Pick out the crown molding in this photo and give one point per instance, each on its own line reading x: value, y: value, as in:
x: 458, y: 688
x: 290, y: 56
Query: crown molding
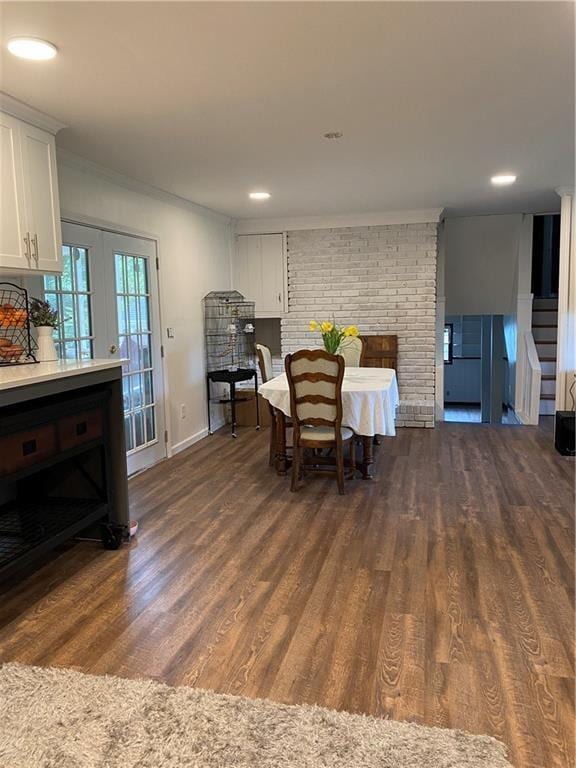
x: 25, y: 112
x: 72, y: 160
x: 266, y: 226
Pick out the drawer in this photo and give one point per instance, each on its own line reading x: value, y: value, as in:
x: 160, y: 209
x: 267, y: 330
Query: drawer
x: 79, y: 428
x: 24, y: 449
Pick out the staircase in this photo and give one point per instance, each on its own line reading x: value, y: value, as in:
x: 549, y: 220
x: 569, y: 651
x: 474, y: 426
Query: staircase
x: 545, y: 332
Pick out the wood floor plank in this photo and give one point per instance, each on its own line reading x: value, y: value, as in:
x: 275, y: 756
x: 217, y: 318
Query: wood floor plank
x: 440, y: 592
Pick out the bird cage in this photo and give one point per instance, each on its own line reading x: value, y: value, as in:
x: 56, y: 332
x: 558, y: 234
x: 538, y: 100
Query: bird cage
x: 228, y: 332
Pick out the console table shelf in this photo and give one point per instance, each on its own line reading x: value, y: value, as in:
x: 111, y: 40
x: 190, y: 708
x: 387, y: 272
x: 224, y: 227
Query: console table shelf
x: 30, y: 528
x: 62, y: 462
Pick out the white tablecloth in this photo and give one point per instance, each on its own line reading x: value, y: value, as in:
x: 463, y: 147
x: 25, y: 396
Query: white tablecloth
x: 369, y: 399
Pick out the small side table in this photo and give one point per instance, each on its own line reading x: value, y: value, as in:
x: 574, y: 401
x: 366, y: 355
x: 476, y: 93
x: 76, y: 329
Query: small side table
x: 232, y: 378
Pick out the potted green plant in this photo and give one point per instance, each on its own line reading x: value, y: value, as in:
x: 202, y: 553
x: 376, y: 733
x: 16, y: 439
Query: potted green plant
x: 44, y: 319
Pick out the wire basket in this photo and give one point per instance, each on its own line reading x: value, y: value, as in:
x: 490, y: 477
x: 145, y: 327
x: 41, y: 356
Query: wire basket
x: 16, y: 346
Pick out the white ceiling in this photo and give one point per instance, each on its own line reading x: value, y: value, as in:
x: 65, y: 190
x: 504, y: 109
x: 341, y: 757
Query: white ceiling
x: 212, y: 100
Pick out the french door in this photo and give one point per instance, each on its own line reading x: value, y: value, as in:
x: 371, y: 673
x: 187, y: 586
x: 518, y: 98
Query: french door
x: 107, y: 299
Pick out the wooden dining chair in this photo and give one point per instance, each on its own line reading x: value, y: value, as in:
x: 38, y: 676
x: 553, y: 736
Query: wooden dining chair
x: 315, y: 381
x: 266, y: 373
x: 352, y: 350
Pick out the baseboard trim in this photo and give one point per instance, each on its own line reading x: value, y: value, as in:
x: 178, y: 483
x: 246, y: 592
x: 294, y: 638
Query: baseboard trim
x: 183, y: 444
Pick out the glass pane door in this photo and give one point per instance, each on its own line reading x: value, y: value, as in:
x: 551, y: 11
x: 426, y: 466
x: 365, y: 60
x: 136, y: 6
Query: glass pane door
x: 134, y: 335
x: 70, y: 293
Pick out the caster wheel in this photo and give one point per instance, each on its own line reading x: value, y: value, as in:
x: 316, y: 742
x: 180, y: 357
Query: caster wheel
x: 258, y: 428
x: 234, y: 434
x: 111, y: 535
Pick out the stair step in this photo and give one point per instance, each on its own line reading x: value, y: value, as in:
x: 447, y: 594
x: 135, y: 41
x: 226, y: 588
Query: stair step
x: 546, y: 316
x: 548, y: 367
x: 544, y: 303
x: 548, y: 377
x: 545, y: 333
x: 547, y: 407
x: 547, y: 387
x: 546, y: 350
x: 547, y: 397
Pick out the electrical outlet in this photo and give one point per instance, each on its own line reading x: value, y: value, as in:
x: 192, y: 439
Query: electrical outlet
x: 183, y: 411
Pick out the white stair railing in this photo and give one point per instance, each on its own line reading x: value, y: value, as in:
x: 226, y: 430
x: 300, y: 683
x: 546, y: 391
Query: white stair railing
x: 532, y: 379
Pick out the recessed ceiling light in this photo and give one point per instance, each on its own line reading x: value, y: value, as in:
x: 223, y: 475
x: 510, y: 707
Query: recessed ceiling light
x: 333, y: 135
x: 259, y: 195
x: 502, y: 179
x: 32, y: 48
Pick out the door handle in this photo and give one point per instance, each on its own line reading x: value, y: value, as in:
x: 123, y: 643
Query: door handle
x: 26, y: 239
x: 35, y: 243
x: 112, y: 349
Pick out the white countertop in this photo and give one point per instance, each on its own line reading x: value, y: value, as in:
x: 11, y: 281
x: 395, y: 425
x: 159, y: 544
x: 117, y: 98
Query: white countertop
x: 12, y: 376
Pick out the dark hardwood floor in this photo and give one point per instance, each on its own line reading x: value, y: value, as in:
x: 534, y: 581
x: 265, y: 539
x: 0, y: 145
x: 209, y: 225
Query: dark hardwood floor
x: 441, y: 592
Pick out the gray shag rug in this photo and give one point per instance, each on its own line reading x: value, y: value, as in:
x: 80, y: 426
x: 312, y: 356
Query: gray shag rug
x: 59, y: 718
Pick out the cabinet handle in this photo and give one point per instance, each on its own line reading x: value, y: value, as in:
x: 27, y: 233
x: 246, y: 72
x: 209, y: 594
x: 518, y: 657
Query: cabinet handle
x: 35, y: 242
x: 279, y: 298
x: 26, y: 239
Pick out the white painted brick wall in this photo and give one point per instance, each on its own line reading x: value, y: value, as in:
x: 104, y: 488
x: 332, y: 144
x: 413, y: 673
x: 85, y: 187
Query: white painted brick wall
x: 382, y: 279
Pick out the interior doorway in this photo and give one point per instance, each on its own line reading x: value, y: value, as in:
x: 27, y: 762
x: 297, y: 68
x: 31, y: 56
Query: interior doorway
x: 479, y: 369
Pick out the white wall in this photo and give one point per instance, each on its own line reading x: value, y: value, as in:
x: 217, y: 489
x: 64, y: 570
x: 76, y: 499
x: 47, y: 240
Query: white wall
x: 195, y: 247
x: 481, y: 257
x: 566, y: 357
x: 440, y: 319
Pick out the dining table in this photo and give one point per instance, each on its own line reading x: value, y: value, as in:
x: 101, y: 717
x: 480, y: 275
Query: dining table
x: 369, y: 401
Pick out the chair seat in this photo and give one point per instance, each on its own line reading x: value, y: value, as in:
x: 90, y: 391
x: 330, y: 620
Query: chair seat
x: 324, y: 433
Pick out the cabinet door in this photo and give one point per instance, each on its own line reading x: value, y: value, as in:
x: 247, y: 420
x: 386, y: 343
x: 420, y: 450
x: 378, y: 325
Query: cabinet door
x: 14, y: 252
x: 41, y: 195
x: 248, y: 268
x: 272, y: 276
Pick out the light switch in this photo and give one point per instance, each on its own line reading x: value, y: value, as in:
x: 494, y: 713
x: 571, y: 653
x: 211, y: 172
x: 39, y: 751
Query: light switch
x: 170, y: 332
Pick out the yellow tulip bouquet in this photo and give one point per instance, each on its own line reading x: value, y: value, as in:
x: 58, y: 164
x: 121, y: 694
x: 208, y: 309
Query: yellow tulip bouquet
x: 333, y: 336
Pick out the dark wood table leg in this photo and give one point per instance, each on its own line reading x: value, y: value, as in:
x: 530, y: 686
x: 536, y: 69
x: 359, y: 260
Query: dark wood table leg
x: 257, y: 400
x: 281, y: 456
x: 233, y: 406
x: 367, y: 457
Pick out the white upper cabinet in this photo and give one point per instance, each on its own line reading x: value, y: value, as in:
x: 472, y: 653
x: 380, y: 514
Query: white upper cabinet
x: 14, y: 249
x: 258, y: 272
x: 30, y: 238
x: 41, y: 198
